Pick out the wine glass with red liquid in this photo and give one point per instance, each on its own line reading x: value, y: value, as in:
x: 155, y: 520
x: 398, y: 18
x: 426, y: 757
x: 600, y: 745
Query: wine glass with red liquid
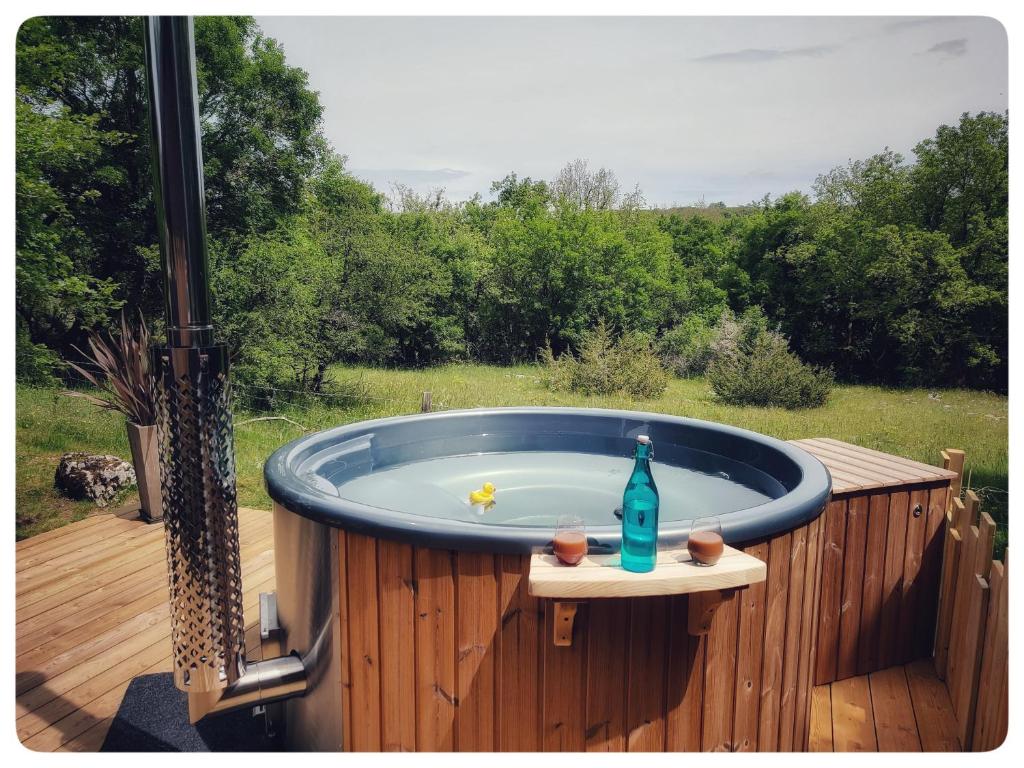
x: 705, y: 543
x: 570, y: 543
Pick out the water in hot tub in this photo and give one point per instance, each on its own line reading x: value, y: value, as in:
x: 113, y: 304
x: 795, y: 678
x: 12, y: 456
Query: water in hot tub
x: 535, y: 487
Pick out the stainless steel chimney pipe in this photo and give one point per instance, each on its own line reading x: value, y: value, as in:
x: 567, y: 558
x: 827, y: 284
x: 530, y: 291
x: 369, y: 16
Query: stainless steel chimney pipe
x: 192, y: 393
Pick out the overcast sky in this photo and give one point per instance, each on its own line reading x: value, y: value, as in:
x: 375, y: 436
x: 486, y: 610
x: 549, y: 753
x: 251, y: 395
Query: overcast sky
x: 720, y: 108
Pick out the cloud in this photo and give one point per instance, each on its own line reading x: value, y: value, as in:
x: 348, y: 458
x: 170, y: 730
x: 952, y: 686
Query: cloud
x: 762, y: 55
x: 919, y: 21
x: 956, y: 47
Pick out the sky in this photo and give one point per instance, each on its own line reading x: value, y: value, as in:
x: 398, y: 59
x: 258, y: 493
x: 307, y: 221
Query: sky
x: 689, y: 108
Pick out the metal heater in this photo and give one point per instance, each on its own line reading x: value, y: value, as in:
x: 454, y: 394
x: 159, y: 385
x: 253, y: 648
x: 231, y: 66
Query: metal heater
x: 193, y: 401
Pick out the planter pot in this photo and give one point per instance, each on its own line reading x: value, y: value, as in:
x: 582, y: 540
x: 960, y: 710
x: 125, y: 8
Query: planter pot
x: 147, y: 469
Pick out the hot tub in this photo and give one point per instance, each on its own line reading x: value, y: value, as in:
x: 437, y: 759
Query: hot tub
x: 411, y: 605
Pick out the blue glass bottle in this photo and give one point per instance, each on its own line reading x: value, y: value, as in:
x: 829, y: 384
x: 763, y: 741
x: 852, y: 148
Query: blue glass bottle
x: 640, y: 512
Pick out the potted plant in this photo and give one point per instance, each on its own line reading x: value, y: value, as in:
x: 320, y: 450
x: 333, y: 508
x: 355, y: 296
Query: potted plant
x: 120, y: 367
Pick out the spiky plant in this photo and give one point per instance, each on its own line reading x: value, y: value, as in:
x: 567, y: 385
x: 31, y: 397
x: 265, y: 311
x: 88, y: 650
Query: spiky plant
x: 122, y: 370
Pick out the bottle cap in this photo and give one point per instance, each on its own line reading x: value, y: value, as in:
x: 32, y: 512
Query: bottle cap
x: 643, y: 439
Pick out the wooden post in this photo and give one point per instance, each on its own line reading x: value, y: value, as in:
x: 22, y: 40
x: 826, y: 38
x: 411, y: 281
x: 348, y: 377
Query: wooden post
x: 953, y: 459
x: 426, y: 402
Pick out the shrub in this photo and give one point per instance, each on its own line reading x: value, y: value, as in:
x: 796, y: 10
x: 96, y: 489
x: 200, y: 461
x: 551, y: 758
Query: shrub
x: 687, y: 349
x: 34, y: 364
x: 606, y: 365
x: 753, y: 366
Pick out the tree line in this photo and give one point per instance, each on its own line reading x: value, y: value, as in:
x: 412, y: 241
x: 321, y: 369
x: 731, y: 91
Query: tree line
x: 892, y: 271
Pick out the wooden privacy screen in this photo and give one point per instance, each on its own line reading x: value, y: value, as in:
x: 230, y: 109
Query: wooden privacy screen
x: 882, y: 559
x: 448, y: 651
x: 971, y: 639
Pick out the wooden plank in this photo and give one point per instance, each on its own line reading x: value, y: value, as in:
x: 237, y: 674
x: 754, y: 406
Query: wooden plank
x: 48, y: 537
x: 931, y: 570
x: 892, y: 580
x: 821, y: 719
x: 912, y: 559
x: 939, y: 473
x: 933, y: 710
x: 872, y: 584
x: 831, y: 591
x: 435, y: 650
x: 964, y: 681
x: 648, y: 649
x: 794, y: 612
x: 808, y: 636
x: 85, y: 543
x: 956, y: 466
x: 895, y: 726
x: 962, y: 608
x: 852, y: 586
x: 344, y: 646
x: 947, y: 583
x: 364, y: 642
x: 777, y: 587
x: 397, y: 646
x: 518, y: 670
x: 685, y: 681
x: 749, y: 660
x: 853, y: 727
x: 991, y: 711
x: 565, y: 686
x: 476, y: 631
x: 719, y: 679
x: 675, y: 574
x: 607, y: 684
x: 877, y: 469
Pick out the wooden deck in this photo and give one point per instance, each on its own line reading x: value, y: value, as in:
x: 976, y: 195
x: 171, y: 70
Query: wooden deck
x: 92, y: 614
x: 900, y: 709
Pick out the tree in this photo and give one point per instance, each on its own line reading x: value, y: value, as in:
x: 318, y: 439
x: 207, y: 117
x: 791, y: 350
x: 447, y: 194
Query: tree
x: 577, y: 185
x: 261, y: 127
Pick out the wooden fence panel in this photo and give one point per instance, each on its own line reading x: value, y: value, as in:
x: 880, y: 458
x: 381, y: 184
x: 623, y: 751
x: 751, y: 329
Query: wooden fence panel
x: 991, y: 714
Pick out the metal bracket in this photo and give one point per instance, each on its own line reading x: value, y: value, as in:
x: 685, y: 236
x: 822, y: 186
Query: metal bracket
x: 565, y: 618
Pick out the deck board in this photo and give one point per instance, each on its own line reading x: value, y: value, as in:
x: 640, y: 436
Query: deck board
x: 92, y: 615
x: 899, y: 709
x: 854, y: 468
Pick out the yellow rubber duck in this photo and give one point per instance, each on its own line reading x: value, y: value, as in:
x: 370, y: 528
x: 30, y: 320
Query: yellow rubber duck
x: 483, y: 496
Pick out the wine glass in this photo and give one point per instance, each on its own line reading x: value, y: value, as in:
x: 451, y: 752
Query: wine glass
x: 570, y: 543
x: 705, y: 543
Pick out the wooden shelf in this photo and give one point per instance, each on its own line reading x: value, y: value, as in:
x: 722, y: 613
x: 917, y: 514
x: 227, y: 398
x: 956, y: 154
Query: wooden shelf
x: 599, y: 576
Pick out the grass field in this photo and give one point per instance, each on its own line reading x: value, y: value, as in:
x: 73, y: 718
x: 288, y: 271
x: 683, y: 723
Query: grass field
x: 914, y: 423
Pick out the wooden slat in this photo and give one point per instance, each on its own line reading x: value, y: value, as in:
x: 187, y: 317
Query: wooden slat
x: 821, y: 719
x: 777, y: 587
x: 344, y: 645
x: 794, y: 612
x: 648, y: 649
x: 852, y: 718
x: 749, y: 661
x: 397, y: 646
x: 873, y: 582
x: 964, y: 679
x: 364, y: 642
x: 519, y: 667
x: 719, y: 678
x: 916, y: 471
x: 852, y: 586
x: 931, y: 570
x: 685, y: 680
x: 48, y: 537
x: 808, y: 636
x: 565, y: 686
x: 435, y: 650
x: 892, y: 580
x: 993, y: 684
x: 933, y: 710
x: 865, y: 465
x: 476, y: 629
x: 913, y: 556
x: 956, y: 466
x: 952, y: 548
x: 895, y: 726
x: 607, y: 684
x: 831, y: 591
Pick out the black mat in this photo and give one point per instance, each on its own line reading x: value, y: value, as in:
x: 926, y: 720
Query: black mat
x: 153, y: 717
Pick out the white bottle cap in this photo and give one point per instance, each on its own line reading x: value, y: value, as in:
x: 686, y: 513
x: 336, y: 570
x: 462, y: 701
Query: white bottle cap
x: 643, y: 439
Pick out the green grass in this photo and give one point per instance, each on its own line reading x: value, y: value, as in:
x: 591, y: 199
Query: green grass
x: 906, y: 422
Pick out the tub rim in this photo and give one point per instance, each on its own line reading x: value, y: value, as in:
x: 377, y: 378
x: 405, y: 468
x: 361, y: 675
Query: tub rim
x: 801, y: 504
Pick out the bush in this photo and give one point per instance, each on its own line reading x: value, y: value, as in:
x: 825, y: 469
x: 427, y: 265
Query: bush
x: 606, y: 365
x: 34, y: 364
x: 687, y: 349
x: 753, y: 366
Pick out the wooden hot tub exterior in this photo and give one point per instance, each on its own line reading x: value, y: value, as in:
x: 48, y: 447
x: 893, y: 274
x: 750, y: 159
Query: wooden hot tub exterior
x: 446, y: 650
